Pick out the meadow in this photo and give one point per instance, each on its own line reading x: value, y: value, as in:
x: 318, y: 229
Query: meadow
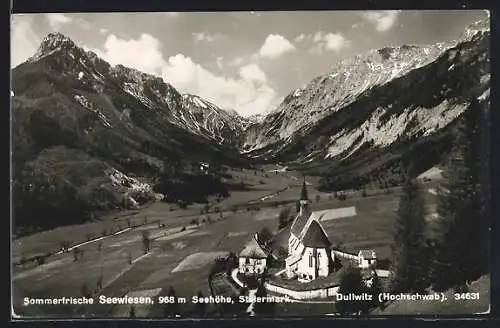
x: 181, y: 253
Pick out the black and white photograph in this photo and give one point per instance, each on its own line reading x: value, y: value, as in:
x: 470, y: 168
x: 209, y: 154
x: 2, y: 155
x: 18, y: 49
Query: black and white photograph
x: 178, y: 165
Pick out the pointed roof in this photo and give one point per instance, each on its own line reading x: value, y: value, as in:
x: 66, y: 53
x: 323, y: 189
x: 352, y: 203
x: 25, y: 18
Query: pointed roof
x: 299, y: 224
x: 303, y: 192
x: 253, y: 250
x: 315, y: 236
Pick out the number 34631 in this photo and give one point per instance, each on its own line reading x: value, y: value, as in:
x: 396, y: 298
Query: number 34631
x: 466, y: 296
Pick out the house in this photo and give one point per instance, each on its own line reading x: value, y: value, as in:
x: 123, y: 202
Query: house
x: 252, y: 259
x: 309, y: 249
x: 367, y: 258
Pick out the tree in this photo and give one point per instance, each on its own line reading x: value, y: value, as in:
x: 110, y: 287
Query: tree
x: 318, y: 198
x: 283, y: 220
x: 461, y: 254
x: 351, y: 282
x: 241, y: 307
x: 200, y: 307
x: 171, y: 309
x: 374, y: 290
x: 129, y: 258
x: 410, y: 257
x: 131, y: 312
x: 264, y: 236
x: 99, y: 246
x: 85, y: 291
x: 146, y: 242
x: 297, y: 207
x: 76, y: 252
x: 99, y: 283
x: 263, y: 308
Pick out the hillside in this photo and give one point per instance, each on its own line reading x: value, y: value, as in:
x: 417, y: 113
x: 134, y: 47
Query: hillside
x: 78, y: 123
x: 356, y: 123
x: 76, y: 119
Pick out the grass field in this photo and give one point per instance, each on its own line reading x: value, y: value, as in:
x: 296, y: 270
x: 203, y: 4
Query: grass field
x: 181, y: 245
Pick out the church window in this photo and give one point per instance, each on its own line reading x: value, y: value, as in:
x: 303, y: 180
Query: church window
x: 310, y: 261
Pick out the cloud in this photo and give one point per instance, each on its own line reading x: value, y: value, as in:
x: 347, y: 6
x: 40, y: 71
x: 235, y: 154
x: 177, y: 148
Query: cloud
x: 248, y: 93
x: 171, y: 14
x: 84, y: 24
x: 208, y: 37
x: 56, y: 20
x: 143, y: 54
x: 318, y: 36
x: 383, y: 20
x: 335, y: 41
x: 103, y: 30
x: 324, y: 42
x: 300, y: 38
x: 220, y: 63
x: 253, y: 72
x: 24, y: 41
x: 276, y: 46
x: 237, y: 61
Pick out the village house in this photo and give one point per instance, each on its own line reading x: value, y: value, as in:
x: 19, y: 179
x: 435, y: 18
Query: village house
x: 252, y: 259
x: 367, y: 258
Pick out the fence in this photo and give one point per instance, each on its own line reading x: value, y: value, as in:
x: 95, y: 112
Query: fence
x: 345, y: 255
x: 305, y: 294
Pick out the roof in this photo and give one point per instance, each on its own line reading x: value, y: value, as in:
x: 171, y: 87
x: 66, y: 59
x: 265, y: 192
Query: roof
x: 292, y: 259
x: 299, y: 223
x: 253, y: 250
x: 367, y: 254
x: 315, y: 236
x: 303, y: 192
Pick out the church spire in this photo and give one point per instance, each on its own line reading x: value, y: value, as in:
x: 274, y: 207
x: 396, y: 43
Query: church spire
x: 303, y: 192
x: 304, y: 200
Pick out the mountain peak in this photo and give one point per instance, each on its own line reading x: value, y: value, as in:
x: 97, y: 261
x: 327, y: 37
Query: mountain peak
x: 55, y: 40
x: 52, y: 43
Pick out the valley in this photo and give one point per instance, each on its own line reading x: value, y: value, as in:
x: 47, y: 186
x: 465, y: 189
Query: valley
x: 123, y: 185
x: 175, y: 237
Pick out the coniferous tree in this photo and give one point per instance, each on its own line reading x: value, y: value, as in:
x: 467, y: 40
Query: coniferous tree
x: 351, y: 282
x: 263, y: 308
x: 171, y: 309
x: 131, y: 312
x: 200, y: 307
x: 374, y: 290
x: 461, y: 254
x: 410, y: 263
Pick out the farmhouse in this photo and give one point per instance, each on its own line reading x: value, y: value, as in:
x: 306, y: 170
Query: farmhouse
x: 367, y: 258
x: 252, y: 259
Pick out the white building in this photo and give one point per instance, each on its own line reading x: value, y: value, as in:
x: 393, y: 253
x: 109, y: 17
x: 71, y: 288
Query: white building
x: 252, y: 259
x: 367, y: 258
x: 309, y: 249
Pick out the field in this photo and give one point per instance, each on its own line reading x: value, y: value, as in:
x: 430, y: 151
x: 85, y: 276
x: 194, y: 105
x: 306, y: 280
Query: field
x: 181, y: 253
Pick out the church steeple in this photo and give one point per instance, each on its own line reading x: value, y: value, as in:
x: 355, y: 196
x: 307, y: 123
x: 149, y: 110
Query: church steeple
x: 304, y: 199
x: 303, y: 192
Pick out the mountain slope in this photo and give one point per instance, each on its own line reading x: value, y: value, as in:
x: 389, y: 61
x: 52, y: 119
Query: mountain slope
x: 69, y: 104
x: 377, y: 108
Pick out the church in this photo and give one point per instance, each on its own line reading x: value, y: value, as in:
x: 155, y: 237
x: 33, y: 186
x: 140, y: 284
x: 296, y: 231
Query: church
x: 310, y: 253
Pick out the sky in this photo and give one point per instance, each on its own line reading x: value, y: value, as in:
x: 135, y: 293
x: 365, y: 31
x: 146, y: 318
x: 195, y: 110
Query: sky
x: 246, y: 61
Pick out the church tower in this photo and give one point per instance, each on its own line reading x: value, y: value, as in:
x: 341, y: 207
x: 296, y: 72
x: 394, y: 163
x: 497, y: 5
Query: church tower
x: 304, y: 200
